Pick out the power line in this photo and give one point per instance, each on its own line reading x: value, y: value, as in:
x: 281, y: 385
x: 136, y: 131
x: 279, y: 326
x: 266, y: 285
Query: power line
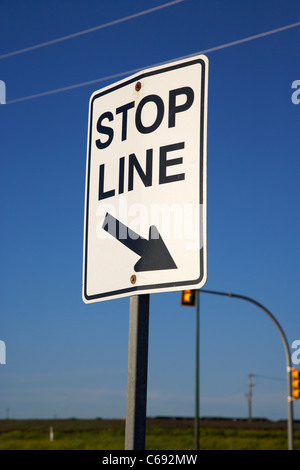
x: 71, y: 87
x: 90, y: 30
x: 249, y: 38
x: 269, y: 378
x: 128, y: 72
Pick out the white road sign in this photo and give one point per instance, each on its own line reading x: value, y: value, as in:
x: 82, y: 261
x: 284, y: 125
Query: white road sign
x: 145, y: 203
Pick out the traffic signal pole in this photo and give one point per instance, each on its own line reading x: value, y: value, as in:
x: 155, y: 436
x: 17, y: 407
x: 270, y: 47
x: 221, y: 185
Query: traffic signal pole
x: 290, y: 428
x: 191, y: 298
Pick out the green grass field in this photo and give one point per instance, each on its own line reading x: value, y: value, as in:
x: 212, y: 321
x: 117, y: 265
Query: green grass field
x: 245, y: 439
x: 161, y: 434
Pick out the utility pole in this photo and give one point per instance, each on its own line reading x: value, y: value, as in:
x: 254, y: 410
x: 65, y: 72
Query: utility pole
x: 249, y: 396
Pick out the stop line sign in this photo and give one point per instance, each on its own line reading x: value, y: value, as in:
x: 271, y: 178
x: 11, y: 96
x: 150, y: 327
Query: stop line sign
x: 145, y: 203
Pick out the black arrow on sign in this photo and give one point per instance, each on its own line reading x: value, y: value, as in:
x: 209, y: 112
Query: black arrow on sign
x: 153, y: 252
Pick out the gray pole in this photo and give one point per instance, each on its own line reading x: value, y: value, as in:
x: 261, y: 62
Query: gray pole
x: 290, y: 428
x: 135, y: 428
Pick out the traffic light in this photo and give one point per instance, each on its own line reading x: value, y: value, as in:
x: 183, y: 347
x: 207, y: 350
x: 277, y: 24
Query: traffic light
x: 295, y: 377
x: 188, y: 298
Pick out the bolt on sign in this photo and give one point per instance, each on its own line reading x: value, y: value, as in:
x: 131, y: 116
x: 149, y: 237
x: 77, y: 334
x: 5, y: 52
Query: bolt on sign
x: 145, y: 201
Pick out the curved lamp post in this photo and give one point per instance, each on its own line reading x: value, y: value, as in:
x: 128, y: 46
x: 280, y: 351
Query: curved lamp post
x: 290, y: 429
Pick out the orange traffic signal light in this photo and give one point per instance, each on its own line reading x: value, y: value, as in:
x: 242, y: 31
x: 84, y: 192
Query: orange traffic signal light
x: 295, y: 377
x: 188, y: 298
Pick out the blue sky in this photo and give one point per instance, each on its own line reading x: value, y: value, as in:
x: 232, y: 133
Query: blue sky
x: 65, y: 358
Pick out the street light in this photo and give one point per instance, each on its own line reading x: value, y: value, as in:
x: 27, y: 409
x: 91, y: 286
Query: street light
x: 290, y: 429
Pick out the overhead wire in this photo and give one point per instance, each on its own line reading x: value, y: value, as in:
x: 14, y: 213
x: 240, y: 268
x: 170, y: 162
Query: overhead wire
x: 269, y: 378
x: 249, y: 38
x: 128, y: 72
x: 90, y: 30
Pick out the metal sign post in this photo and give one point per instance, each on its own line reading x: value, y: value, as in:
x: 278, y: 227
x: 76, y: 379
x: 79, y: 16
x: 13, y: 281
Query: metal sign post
x: 135, y: 429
